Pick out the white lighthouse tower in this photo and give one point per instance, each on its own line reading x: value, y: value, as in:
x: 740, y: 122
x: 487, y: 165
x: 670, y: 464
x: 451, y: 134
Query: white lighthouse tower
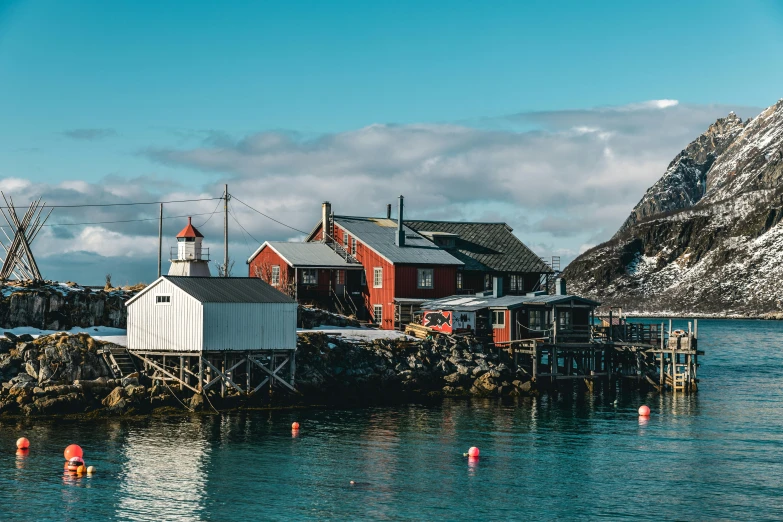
x: 191, y: 260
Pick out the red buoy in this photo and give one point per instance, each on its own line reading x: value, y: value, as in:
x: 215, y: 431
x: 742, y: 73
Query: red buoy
x: 295, y: 426
x: 22, y: 444
x: 473, y: 452
x: 73, y: 451
x: 644, y: 411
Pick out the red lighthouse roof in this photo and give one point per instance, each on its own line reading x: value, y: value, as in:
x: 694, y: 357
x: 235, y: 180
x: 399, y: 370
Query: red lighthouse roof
x: 189, y: 231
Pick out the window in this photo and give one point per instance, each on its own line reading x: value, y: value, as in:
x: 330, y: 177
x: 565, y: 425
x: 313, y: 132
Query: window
x: 377, y: 314
x: 514, y: 281
x: 162, y: 299
x: 459, y: 280
x: 310, y: 276
x: 353, y: 246
x: 345, y: 240
x: 536, y: 320
x: 564, y: 319
x: 377, y: 277
x: 364, y: 278
x: 487, y: 282
x: 275, y: 279
x: 425, y: 278
x: 498, y: 318
x: 339, y: 277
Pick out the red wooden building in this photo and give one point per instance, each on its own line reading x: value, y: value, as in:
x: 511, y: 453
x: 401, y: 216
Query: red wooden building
x: 401, y: 267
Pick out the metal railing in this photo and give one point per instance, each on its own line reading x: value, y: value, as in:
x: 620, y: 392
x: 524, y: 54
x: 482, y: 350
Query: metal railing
x: 190, y: 256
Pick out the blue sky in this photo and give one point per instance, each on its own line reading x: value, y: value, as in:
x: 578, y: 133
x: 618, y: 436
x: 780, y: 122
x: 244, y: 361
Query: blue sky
x: 105, y: 100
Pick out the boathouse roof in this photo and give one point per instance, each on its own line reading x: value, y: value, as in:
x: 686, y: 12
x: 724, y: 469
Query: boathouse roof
x: 223, y: 289
x: 467, y: 303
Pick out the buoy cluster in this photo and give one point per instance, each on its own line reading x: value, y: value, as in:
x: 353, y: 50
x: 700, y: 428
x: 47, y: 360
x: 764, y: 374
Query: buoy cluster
x: 74, y: 461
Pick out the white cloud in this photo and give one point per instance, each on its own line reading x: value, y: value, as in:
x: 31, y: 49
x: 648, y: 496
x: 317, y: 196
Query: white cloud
x: 567, y: 180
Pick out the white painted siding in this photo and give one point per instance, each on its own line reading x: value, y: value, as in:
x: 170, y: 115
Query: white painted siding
x: 250, y: 326
x: 175, y: 327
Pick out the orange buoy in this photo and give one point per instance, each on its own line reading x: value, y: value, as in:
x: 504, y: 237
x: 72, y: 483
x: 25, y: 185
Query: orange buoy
x: 22, y: 444
x: 295, y: 426
x: 81, y: 470
x: 73, y: 451
x: 473, y: 452
x: 644, y: 411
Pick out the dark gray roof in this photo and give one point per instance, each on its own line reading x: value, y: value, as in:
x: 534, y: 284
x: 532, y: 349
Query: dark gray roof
x: 486, y: 246
x: 307, y: 254
x: 378, y: 234
x: 468, y: 303
x: 229, y: 289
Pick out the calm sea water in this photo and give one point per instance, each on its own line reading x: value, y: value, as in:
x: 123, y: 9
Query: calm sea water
x: 714, y: 455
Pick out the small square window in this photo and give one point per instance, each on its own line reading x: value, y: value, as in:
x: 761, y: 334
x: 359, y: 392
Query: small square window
x: 309, y: 276
x: 498, y: 318
x: 425, y: 276
x: 162, y: 299
x: 377, y: 277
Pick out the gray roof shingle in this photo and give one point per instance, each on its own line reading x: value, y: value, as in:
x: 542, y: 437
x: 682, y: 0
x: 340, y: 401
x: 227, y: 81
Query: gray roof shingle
x: 378, y: 234
x: 486, y: 246
x: 229, y: 289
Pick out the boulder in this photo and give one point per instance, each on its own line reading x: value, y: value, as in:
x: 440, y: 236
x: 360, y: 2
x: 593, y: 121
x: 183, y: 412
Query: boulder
x: 117, y: 400
x: 197, y: 402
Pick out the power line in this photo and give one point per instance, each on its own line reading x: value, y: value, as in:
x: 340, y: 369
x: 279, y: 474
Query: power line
x: 212, y: 214
x: 119, y: 221
x: 129, y: 204
x: 269, y: 217
x: 243, y: 228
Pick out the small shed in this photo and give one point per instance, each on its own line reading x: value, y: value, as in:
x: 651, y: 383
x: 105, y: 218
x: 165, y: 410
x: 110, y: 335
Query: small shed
x: 218, y: 323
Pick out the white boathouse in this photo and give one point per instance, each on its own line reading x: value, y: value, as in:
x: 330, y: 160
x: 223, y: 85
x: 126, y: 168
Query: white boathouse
x: 196, y: 332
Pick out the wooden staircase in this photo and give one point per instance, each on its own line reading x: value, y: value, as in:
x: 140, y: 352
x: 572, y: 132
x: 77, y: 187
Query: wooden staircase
x: 119, y: 361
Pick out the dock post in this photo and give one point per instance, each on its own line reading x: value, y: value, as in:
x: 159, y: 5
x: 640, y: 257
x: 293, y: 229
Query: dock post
x: 223, y: 377
x: 200, y: 374
x: 248, y: 369
x: 181, y: 372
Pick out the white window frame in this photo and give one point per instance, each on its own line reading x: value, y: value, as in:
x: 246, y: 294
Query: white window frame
x: 353, y: 246
x: 564, y: 319
x: 163, y: 299
x: 305, y: 272
x: 536, y: 320
x: 419, y: 273
x: 498, y: 314
x: 377, y: 277
x: 345, y: 240
x: 274, y: 278
x: 377, y: 318
x: 512, y: 280
x: 459, y: 280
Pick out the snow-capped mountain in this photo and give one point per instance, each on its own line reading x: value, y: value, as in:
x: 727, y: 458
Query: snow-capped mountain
x: 707, y: 237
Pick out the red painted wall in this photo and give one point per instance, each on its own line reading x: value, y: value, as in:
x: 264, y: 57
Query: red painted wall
x: 444, y: 281
x: 503, y: 334
x: 269, y: 257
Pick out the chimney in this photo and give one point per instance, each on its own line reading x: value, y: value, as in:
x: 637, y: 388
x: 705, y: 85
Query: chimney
x: 399, y: 239
x: 326, y: 214
x: 560, y: 286
x: 388, y: 211
x: 497, y: 286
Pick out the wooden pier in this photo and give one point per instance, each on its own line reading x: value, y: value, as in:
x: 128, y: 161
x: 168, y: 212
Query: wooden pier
x: 653, y: 353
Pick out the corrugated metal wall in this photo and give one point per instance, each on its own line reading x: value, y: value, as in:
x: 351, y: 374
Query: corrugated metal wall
x: 173, y: 327
x: 249, y: 326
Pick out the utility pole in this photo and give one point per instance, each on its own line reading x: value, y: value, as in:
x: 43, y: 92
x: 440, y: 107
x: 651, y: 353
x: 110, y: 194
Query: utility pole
x: 225, y: 230
x: 160, y: 239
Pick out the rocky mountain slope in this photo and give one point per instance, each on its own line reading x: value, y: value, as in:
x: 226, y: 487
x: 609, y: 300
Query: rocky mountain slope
x: 706, y: 238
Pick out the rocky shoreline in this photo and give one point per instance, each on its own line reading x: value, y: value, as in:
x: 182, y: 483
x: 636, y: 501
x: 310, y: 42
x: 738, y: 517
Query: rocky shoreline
x: 63, y: 374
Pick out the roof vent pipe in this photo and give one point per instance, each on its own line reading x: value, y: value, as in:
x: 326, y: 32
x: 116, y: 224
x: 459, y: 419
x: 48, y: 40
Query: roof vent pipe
x: 326, y: 214
x: 399, y: 239
x: 388, y: 211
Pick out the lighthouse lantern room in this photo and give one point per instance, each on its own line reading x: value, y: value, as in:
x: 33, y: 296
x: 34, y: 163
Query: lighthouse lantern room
x: 191, y: 258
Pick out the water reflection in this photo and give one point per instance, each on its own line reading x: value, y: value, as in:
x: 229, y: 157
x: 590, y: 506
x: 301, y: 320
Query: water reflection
x: 164, y: 476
